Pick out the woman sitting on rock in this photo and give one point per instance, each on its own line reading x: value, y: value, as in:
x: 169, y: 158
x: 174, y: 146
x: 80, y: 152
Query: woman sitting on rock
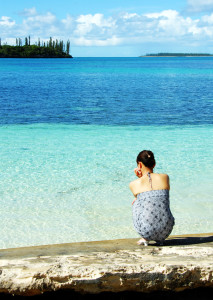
x: 152, y: 217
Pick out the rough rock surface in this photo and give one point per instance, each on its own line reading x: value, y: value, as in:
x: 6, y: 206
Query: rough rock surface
x: 184, y: 262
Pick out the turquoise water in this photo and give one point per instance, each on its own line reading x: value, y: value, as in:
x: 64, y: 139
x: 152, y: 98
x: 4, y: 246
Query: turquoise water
x: 65, y: 179
x: 67, y: 183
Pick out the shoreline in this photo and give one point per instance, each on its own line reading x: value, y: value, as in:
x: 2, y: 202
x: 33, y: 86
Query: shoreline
x: 176, y: 56
x: 110, y: 266
x: 76, y: 244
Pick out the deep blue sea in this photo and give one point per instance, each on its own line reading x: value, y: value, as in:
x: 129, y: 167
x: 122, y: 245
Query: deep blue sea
x: 70, y: 131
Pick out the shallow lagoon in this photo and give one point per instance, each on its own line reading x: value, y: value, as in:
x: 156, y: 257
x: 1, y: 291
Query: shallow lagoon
x: 67, y: 183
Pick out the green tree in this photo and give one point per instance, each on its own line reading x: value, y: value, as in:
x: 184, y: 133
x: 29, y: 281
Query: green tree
x: 49, y: 49
x: 50, y: 42
x: 68, y: 47
x: 61, y: 45
x: 56, y: 44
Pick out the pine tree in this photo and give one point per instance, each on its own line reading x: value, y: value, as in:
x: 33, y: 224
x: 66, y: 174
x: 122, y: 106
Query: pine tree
x: 50, y: 42
x: 56, y: 44
x: 68, y: 47
x: 61, y: 45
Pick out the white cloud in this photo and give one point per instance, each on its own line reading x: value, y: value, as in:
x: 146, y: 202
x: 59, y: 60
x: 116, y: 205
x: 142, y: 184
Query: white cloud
x: 122, y: 29
x: 199, y: 5
x: 94, y: 25
x: 171, y: 24
x: 169, y: 14
x: 68, y: 22
x: 7, y: 22
x: 40, y: 20
x: 41, y: 25
x: 208, y: 19
x: 97, y: 19
x: 82, y: 41
x: 29, y: 12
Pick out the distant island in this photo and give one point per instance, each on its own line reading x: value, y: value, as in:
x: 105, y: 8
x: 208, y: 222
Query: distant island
x: 49, y: 49
x: 168, y: 54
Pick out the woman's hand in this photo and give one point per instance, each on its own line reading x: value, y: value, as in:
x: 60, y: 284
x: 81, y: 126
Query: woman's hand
x: 138, y: 172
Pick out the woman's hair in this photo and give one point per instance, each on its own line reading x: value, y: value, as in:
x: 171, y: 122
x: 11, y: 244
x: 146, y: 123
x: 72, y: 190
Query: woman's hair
x: 147, y: 158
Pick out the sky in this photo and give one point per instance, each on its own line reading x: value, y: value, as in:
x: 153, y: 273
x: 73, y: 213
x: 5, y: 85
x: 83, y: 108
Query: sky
x: 119, y: 28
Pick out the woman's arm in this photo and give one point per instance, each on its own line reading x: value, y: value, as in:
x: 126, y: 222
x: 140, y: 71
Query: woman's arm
x: 138, y: 173
x: 165, y: 179
x: 168, y: 182
x: 131, y: 186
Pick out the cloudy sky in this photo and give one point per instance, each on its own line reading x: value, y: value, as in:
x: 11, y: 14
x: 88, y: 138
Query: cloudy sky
x: 112, y: 27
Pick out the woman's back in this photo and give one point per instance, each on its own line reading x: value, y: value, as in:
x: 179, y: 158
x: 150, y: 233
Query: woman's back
x: 150, y: 182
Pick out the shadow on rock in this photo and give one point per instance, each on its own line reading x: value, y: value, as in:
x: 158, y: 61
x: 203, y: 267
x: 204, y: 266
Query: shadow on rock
x: 181, y: 241
x: 195, y: 294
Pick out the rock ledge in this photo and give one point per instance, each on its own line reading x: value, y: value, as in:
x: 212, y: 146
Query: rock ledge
x: 184, y: 262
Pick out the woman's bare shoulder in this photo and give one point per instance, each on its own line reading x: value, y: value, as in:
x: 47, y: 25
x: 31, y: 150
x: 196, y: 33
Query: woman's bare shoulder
x: 164, y: 178
x: 163, y: 181
x: 162, y: 175
x: 134, y: 182
x: 134, y: 186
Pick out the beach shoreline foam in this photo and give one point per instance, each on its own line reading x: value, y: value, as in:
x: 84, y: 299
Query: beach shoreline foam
x: 183, y: 263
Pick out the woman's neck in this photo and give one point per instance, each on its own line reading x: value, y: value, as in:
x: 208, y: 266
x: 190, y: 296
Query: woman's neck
x: 146, y: 171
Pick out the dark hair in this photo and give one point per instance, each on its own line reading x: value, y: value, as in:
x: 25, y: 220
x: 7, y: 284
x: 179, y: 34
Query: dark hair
x: 147, y: 158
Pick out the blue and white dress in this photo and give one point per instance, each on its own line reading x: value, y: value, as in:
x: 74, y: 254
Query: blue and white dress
x: 151, y: 213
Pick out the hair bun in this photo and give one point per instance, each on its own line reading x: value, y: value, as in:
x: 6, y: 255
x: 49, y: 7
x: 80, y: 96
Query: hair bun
x: 147, y: 158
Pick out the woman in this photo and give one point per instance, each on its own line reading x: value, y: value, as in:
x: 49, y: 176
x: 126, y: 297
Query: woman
x: 152, y: 217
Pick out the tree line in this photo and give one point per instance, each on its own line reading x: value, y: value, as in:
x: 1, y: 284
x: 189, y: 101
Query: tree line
x: 179, y: 54
x: 50, y: 48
